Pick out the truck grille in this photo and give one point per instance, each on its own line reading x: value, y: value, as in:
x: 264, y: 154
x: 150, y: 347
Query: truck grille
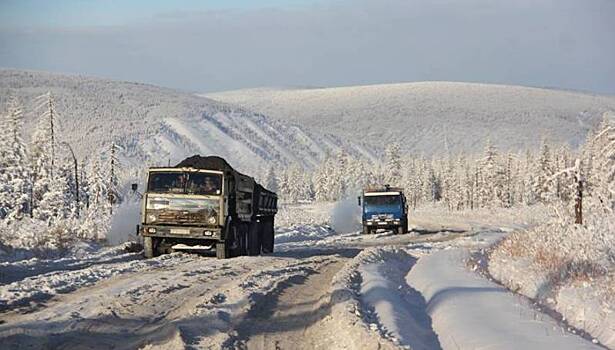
x: 184, y: 217
x: 382, y: 216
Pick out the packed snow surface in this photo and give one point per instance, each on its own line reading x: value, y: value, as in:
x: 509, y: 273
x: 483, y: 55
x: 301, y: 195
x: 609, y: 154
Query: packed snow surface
x: 321, y: 289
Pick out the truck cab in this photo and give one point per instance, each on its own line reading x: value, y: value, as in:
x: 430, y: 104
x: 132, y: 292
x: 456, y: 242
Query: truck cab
x: 384, y: 208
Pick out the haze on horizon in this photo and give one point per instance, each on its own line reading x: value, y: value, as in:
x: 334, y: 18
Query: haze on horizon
x: 219, y: 45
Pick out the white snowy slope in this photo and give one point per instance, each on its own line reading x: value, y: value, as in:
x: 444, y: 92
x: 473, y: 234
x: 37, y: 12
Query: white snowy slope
x: 433, y: 117
x: 156, y: 125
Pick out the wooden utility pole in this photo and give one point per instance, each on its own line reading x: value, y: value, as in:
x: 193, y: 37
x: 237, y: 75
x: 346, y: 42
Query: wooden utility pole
x: 578, y: 201
x: 579, y: 180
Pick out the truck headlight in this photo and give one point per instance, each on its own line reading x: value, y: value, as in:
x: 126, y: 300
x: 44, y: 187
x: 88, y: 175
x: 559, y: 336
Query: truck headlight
x: 212, y: 220
x: 151, y: 217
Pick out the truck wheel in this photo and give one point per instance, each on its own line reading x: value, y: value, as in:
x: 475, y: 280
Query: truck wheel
x: 148, y: 247
x: 261, y: 230
x: 222, y: 251
x: 161, y: 246
x: 400, y: 230
x: 268, y: 237
x: 254, y: 243
x: 240, y: 241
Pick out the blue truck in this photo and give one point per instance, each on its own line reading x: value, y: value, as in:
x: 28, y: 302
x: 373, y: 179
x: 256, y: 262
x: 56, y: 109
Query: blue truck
x: 384, y: 208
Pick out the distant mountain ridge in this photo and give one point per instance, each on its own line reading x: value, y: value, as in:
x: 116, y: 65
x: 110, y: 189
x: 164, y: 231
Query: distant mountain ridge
x: 156, y: 126
x: 433, y: 117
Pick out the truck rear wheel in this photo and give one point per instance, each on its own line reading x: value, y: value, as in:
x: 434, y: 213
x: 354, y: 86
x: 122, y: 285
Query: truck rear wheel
x: 254, y: 243
x: 366, y: 230
x: 268, y: 236
x: 148, y: 247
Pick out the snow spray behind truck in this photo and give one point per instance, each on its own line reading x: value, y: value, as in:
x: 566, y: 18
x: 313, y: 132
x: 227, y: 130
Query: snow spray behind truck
x: 204, y: 204
x: 384, y: 207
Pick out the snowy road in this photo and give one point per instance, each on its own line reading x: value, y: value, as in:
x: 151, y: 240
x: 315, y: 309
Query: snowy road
x: 320, y: 290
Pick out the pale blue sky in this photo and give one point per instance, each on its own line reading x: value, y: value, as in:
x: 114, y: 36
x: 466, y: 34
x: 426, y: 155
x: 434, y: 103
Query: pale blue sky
x: 228, y: 44
x: 116, y: 12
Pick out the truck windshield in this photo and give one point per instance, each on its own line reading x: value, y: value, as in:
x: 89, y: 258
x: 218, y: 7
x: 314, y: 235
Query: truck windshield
x: 382, y: 200
x: 185, y: 183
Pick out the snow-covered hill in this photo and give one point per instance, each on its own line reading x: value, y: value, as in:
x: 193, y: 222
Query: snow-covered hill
x: 156, y: 125
x: 431, y: 117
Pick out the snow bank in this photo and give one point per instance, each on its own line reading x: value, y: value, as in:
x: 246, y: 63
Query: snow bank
x: 30, y: 238
x: 348, y: 309
x: 392, y: 306
x: 470, y: 312
x: 39, y: 288
x: 516, y: 218
x: 567, y: 267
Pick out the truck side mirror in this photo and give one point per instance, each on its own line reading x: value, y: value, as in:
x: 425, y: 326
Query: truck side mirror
x: 134, y: 187
x: 359, y: 200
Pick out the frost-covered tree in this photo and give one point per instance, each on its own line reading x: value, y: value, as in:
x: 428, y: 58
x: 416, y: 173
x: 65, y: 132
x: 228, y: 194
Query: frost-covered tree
x: 113, y: 190
x: 14, y: 170
x: 491, y: 183
x: 544, y: 170
x: 271, y: 181
x: 603, y: 172
x: 392, y: 166
x: 338, y: 181
x: 44, y: 139
x: 323, y: 180
x: 97, y: 216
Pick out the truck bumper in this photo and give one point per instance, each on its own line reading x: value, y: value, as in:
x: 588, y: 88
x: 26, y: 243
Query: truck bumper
x: 385, y: 224
x: 191, y: 232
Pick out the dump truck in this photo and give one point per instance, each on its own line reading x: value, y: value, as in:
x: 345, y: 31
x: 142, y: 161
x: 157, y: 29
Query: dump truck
x: 384, y: 208
x: 204, y: 204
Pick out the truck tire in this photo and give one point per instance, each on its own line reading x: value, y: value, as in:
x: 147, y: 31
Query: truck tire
x: 161, y: 246
x: 241, y: 240
x: 254, y: 243
x: 261, y: 229
x: 366, y: 230
x: 148, y: 247
x: 268, y: 236
x: 400, y: 229
x: 222, y: 251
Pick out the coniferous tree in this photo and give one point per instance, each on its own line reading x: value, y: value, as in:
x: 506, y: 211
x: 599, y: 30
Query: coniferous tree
x: 542, y: 186
x: 271, y: 182
x: 392, y: 166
